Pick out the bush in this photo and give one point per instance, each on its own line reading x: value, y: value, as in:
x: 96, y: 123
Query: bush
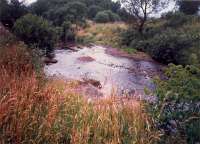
x: 11, y: 11
x: 178, y: 109
x: 173, y: 46
x: 67, y: 32
x: 178, y: 43
x: 177, y: 19
x: 112, y: 16
x: 167, y: 47
x: 102, y: 17
x: 35, y: 30
x: 106, y: 16
x: 76, y: 12
x: 93, y: 10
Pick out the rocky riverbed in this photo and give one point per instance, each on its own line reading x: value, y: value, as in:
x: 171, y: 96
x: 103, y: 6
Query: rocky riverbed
x: 104, y: 71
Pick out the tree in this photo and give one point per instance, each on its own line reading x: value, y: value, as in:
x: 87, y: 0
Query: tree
x: 10, y: 11
x: 141, y: 9
x: 102, y: 17
x: 57, y: 15
x: 76, y: 12
x: 93, y: 10
x: 35, y: 30
x: 189, y: 7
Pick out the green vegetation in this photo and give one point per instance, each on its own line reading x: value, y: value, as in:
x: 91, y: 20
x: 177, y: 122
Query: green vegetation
x: 36, y: 31
x: 178, y: 43
x: 11, y: 11
x: 93, y: 10
x: 102, y: 17
x: 73, y: 11
x: 105, y: 34
x: 106, y: 16
x: 36, y: 110
x: 53, y: 20
x: 189, y: 7
x: 178, y: 110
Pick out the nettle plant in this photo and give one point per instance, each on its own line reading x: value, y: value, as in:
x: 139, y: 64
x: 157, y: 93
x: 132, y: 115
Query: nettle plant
x: 178, y: 107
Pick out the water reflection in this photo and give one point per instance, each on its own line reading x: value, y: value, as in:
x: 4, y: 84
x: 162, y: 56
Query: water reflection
x: 121, y: 74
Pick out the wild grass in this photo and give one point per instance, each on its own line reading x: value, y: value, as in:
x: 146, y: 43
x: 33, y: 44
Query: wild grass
x: 39, y: 111
x: 104, y: 34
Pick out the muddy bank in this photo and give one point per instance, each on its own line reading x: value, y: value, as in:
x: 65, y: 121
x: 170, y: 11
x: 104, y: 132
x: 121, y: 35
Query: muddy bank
x: 117, y: 72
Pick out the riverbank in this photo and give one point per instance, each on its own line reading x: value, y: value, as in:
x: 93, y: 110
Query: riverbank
x: 34, y: 109
x: 108, y: 34
x: 104, y: 71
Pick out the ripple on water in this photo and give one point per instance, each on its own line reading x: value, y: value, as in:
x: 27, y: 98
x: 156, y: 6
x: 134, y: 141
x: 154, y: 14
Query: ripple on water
x: 114, y: 73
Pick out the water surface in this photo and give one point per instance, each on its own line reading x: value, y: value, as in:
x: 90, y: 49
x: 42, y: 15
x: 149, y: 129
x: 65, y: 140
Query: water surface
x: 121, y: 74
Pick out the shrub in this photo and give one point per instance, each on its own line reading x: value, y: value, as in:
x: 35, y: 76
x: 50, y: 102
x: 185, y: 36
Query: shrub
x: 10, y: 11
x: 112, y: 16
x: 102, y: 17
x: 93, y: 10
x: 189, y: 7
x: 76, y: 12
x: 177, y: 19
x: 173, y: 46
x: 35, y: 30
x: 177, y: 109
x: 106, y: 16
x: 167, y: 46
x: 129, y: 35
x: 178, y: 43
x: 67, y: 32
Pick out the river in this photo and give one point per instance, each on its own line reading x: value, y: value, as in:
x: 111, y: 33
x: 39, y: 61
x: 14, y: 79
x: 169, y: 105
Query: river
x: 116, y: 74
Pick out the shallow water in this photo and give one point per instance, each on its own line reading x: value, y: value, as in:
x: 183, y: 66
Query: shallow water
x: 114, y: 73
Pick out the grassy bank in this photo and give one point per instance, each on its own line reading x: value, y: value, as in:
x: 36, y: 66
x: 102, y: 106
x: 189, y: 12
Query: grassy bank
x: 35, y: 110
x: 108, y: 34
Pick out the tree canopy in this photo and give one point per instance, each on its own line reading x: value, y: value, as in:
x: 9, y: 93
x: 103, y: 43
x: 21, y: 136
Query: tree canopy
x: 141, y: 9
x: 76, y: 11
x: 189, y: 7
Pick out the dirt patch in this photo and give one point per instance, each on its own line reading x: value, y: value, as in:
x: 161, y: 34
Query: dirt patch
x: 86, y: 59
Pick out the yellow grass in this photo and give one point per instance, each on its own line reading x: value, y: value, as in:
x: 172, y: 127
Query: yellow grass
x: 105, y: 34
x: 38, y: 111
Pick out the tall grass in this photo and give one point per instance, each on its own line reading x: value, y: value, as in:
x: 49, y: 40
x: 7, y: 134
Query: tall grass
x: 46, y: 112
x: 105, y: 34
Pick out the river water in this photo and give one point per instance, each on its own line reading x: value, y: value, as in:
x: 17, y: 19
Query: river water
x: 117, y: 74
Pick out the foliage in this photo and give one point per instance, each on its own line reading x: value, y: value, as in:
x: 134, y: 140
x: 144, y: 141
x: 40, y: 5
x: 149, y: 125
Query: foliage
x: 173, y: 48
x: 177, y: 109
x: 106, y: 16
x: 112, y: 16
x: 57, y: 15
x: 140, y: 10
x: 189, y: 7
x: 108, y: 34
x: 178, y: 43
x: 93, y: 10
x: 11, y: 11
x: 67, y: 32
x: 177, y: 19
x: 102, y: 17
x: 74, y: 11
x: 36, y: 31
x: 41, y: 111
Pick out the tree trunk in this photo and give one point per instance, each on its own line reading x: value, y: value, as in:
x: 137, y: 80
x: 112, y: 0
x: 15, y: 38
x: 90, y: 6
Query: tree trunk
x: 141, y: 26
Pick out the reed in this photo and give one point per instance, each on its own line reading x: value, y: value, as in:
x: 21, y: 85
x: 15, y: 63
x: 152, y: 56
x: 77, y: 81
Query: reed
x: 34, y: 111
